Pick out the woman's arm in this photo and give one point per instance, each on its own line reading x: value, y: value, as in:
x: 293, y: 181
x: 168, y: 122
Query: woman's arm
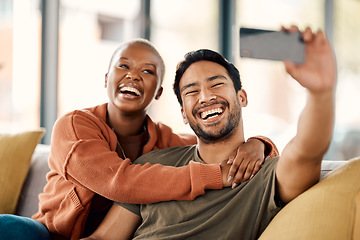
x: 83, y: 153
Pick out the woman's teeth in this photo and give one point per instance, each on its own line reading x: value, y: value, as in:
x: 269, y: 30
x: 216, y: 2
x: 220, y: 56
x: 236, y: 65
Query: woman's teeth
x: 130, y: 90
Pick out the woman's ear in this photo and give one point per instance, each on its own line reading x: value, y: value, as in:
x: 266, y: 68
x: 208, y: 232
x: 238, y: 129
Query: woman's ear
x: 242, y: 95
x: 106, y: 79
x: 158, y: 93
x: 184, y: 116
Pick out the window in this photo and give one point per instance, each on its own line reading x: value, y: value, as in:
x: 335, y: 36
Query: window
x: 89, y: 33
x: 346, y: 40
x: 20, y: 23
x: 178, y: 27
x: 275, y: 100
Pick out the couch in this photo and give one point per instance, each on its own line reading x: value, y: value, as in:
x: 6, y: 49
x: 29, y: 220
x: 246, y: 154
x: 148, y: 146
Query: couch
x: 328, y: 210
x: 35, y: 181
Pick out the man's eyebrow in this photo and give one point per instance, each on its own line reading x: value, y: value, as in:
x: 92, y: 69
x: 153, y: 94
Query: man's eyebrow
x: 209, y: 79
x: 188, y: 86
x: 212, y: 78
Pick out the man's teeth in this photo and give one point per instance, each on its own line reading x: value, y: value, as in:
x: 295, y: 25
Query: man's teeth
x: 130, y: 89
x: 211, y: 112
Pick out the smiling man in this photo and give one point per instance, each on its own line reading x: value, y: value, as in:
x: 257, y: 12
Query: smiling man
x: 209, y: 91
x: 211, y: 109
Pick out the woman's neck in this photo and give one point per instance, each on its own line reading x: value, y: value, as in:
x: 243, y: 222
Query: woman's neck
x: 126, y: 124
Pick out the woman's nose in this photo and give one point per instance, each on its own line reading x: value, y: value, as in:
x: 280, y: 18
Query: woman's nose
x: 133, y: 75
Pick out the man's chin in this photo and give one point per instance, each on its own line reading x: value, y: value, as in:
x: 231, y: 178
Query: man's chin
x: 210, y: 136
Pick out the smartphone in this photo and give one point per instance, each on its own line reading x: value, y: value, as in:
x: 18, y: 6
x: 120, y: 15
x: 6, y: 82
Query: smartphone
x: 272, y: 45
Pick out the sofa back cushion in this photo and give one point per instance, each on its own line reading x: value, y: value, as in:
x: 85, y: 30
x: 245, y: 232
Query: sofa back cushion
x: 328, y: 210
x: 15, y: 155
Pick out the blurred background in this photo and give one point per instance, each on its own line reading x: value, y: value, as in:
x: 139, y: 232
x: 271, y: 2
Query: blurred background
x: 54, y: 55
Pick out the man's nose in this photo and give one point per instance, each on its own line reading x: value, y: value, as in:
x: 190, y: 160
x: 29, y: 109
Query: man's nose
x: 206, y: 96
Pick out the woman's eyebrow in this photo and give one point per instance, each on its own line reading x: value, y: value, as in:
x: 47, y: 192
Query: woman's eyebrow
x: 150, y: 64
x: 146, y: 64
x: 127, y: 59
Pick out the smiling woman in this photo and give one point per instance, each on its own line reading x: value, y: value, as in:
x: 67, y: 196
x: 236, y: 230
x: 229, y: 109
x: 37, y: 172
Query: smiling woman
x: 135, y: 75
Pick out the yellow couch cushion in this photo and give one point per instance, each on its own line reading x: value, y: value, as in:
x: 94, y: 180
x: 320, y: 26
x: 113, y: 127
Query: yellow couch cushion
x: 15, y: 155
x: 328, y: 210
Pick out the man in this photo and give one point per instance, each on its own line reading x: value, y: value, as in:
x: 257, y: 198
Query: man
x: 209, y: 91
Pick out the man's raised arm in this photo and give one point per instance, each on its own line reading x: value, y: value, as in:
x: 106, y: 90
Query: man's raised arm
x: 300, y: 163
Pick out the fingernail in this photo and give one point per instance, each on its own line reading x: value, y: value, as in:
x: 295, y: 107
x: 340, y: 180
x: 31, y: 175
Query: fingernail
x: 251, y: 176
x: 229, y: 161
x: 229, y: 178
x: 234, y: 185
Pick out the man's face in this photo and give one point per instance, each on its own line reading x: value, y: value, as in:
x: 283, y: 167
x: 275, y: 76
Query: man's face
x: 210, y: 103
x: 133, y: 79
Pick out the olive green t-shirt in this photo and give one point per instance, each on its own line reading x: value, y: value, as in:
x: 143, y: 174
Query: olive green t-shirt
x: 240, y: 213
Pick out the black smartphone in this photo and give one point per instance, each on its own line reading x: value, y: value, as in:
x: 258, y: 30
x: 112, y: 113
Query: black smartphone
x: 272, y: 45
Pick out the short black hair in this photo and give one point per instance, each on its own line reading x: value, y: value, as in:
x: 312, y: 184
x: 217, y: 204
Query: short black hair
x: 204, y: 55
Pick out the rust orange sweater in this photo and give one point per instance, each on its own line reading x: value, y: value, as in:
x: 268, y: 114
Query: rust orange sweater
x: 84, y: 162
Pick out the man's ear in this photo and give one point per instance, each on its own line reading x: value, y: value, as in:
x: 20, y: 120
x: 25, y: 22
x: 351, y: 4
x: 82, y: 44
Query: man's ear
x: 184, y: 116
x: 242, y: 95
x: 106, y: 79
x: 158, y: 93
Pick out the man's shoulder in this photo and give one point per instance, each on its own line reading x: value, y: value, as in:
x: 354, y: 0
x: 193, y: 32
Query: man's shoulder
x: 271, y: 161
x: 269, y: 165
x: 173, y: 156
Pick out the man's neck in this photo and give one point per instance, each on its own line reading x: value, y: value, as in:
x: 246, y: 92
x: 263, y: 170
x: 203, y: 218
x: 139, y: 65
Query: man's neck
x: 217, y: 152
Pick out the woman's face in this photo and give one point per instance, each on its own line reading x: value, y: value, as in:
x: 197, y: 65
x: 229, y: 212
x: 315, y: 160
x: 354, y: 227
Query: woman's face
x: 133, y: 80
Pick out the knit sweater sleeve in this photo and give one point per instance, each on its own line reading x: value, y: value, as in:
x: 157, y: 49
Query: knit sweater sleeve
x: 83, y: 152
x: 270, y: 147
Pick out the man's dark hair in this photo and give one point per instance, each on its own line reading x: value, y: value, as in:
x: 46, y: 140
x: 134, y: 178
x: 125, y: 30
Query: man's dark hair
x: 204, y: 55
